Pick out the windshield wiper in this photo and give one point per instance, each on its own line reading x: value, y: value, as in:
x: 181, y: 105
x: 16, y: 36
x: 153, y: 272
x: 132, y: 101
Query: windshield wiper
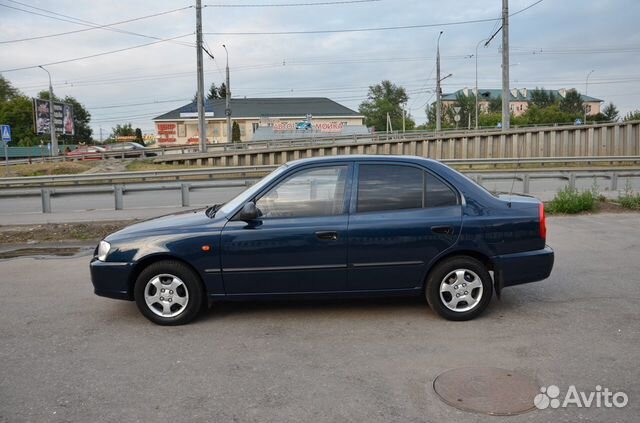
x: 211, y: 211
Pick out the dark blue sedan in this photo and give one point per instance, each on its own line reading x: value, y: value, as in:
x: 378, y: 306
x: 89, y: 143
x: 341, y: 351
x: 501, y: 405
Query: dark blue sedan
x: 333, y: 227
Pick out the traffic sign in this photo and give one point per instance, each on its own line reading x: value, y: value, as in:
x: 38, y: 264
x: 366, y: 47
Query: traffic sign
x: 457, y: 110
x: 5, y: 130
x: 456, y: 118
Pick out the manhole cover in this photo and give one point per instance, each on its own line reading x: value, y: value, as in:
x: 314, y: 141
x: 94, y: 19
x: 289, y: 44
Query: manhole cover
x: 487, y: 390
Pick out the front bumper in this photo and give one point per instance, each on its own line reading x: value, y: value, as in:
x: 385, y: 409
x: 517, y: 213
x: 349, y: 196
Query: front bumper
x: 525, y: 267
x: 111, y: 279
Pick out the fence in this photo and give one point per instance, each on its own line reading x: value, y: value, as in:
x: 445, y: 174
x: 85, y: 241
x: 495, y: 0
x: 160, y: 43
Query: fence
x: 615, y: 139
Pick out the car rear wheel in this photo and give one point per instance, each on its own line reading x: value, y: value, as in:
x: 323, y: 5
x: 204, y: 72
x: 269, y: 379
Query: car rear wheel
x: 459, y: 288
x: 169, y: 293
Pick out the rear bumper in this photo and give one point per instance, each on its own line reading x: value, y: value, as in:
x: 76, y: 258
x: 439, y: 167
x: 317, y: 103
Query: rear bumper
x: 525, y: 267
x: 111, y: 279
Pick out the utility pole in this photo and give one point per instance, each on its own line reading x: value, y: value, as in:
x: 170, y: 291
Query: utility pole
x: 101, y: 135
x: 403, y: 118
x: 506, y: 95
x: 586, y: 92
x: 202, y: 127
x: 52, y: 124
x: 227, y: 110
x: 438, y: 89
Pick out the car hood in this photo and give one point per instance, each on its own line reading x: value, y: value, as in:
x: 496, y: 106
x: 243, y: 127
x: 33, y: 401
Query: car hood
x: 166, y: 224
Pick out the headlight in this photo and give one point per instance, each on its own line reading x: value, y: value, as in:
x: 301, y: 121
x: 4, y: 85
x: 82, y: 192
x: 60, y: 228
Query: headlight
x: 103, y: 250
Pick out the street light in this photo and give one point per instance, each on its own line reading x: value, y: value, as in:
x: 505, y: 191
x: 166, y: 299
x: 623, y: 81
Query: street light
x: 476, y: 93
x: 586, y: 91
x: 438, y: 90
x: 227, y: 110
x: 52, y: 125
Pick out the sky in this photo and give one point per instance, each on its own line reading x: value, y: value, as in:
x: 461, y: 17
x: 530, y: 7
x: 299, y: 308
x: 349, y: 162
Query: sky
x: 554, y: 44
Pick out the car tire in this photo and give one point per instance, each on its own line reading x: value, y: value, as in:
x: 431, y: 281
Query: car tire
x: 169, y: 293
x: 459, y: 288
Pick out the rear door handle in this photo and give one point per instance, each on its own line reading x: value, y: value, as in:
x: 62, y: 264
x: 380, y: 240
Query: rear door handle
x: 327, y: 235
x: 442, y: 230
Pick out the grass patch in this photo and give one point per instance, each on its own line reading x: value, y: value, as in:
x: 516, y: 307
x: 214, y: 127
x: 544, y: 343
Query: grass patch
x: 41, y: 169
x: 141, y: 165
x: 628, y: 199
x: 571, y: 201
x: 631, y: 201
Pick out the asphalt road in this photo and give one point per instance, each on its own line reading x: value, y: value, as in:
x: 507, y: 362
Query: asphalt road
x: 68, y: 356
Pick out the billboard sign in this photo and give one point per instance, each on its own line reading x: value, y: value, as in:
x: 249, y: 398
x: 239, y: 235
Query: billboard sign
x: 62, y: 117
x: 166, y: 132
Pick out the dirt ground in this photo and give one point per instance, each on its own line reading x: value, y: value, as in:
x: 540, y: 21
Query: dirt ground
x: 95, y: 231
x: 40, y: 169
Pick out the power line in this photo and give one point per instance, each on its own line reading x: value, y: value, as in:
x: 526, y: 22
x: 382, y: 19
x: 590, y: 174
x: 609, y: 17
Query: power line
x: 384, y: 28
x: 89, y: 24
x: 94, y: 55
x: 526, y: 8
x: 323, y: 3
x: 115, y: 106
x: 332, y: 31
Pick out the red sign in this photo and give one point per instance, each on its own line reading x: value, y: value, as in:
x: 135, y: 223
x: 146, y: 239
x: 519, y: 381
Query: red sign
x: 166, y: 132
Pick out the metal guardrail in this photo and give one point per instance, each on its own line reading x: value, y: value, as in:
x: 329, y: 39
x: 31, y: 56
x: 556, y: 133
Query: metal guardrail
x: 137, y: 176
x: 241, y: 171
x: 526, y: 176
x: 123, y: 154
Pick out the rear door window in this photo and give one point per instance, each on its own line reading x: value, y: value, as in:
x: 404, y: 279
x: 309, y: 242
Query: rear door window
x: 389, y: 187
x: 398, y: 187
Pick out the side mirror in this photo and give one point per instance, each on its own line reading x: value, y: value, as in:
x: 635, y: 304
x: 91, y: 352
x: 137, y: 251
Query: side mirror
x: 249, y: 212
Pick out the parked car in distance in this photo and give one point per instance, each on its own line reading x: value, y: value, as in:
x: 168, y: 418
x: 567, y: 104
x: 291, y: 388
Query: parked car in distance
x: 333, y: 227
x: 303, y: 126
x: 130, y: 149
x: 89, y: 152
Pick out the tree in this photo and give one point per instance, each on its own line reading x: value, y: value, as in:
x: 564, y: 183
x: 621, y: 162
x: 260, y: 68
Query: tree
x: 122, y: 130
x: 139, y: 138
x: 213, y: 92
x: 635, y: 115
x: 222, y: 91
x: 495, y: 105
x: 382, y: 99
x: 235, y: 132
x: 572, y: 102
x: 467, y: 104
x: 18, y: 113
x: 81, y: 120
x: 542, y: 98
x: 7, y: 91
x: 611, y: 112
x: 547, y: 115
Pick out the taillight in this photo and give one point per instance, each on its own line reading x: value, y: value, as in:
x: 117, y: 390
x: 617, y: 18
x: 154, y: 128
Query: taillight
x: 543, y: 222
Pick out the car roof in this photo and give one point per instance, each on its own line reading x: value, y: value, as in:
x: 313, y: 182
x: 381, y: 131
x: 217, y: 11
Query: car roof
x: 362, y: 157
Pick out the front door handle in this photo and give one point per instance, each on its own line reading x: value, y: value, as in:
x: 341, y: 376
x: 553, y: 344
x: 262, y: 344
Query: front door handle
x: 327, y: 235
x: 442, y: 230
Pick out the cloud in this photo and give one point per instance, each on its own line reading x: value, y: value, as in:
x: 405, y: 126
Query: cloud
x: 339, y: 65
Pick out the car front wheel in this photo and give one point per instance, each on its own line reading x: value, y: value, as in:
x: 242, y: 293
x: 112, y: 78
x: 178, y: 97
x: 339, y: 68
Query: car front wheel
x: 169, y: 293
x: 459, y: 288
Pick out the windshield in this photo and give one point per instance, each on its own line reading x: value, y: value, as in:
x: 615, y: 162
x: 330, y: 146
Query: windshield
x: 250, y: 192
